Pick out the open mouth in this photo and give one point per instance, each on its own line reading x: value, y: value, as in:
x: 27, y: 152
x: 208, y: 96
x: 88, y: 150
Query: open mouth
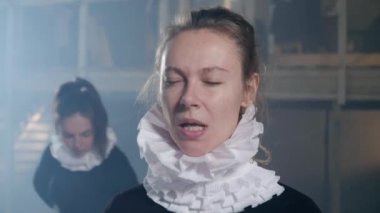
x: 192, y: 129
x: 192, y: 126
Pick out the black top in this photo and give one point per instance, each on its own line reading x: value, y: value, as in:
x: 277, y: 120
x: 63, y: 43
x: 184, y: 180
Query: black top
x: 291, y: 201
x: 83, y: 191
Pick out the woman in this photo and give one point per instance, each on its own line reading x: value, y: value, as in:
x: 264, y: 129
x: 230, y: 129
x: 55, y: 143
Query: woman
x: 81, y: 169
x: 201, y: 136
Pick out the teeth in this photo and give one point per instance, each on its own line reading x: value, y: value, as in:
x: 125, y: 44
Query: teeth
x: 194, y: 128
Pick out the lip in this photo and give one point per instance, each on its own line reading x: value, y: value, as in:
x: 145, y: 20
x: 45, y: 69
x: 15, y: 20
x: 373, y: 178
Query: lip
x: 191, y: 133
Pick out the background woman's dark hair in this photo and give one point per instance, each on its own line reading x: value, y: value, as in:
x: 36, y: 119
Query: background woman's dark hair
x: 80, y: 96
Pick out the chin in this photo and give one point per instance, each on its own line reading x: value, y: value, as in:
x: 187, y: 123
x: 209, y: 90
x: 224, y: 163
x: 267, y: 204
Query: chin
x: 194, y: 151
x: 193, y: 148
x: 79, y: 153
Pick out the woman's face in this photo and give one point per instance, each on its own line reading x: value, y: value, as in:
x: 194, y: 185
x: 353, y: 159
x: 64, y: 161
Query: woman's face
x: 77, y: 133
x: 202, y: 89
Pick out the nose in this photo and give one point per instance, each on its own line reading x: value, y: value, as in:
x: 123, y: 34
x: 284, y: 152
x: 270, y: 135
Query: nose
x: 190, y: 97
x: 77, y: 141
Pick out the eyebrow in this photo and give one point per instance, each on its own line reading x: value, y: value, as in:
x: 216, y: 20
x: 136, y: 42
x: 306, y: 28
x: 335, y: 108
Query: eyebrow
x: 174, y: 69
x: 80, y: 133
x: 214, y: 68
x: 86, y: 131
x: 206, y: 69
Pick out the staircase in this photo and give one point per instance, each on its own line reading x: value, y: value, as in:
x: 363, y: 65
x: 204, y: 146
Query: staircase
x: 31, y: 141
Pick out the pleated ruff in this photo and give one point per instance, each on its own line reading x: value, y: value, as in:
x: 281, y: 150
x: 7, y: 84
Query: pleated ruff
x: 224, y: 180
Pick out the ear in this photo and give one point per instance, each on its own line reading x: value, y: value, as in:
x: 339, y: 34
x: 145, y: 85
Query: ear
x: 250, y: 90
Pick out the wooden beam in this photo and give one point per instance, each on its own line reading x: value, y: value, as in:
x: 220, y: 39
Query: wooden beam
x: 227, y: 4
x: 42, y: 2
x: 183, y: 7
x: 82, y: 40
x: 106, y: 81
x: 163, y: 15
x: 342, y: 51
x: 279, y: 84
x: 333, y: 158
x: 9, y: 87
x: 51, y: 2
x: 326, y: 60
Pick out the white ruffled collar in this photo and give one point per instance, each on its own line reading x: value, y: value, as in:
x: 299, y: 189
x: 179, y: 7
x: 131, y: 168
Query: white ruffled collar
x: 224, y: 180
x: 84, y: 163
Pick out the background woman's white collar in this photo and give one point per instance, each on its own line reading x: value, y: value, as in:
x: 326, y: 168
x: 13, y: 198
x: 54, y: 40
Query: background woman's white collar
x: 84, y: 163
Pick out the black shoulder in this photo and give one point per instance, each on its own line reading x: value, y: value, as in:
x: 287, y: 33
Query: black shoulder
x: 47, y: 158
x: 289, y: 201
x: 299, y: 201
x: 118, y: 166
x: 117, y: 156
x: 47, y: 153
x: 134, y: 200
x: 116, y: 152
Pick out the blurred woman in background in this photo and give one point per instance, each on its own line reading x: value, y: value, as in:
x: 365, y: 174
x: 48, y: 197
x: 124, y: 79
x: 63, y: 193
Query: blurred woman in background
x: 82, y: 168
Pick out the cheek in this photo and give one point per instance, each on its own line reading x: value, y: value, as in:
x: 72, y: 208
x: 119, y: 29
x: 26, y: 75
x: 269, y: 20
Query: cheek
x: 230, y: 115
x: 90, y: 141
x: 228, y: 100
x: 168, y: 102
x: 170, y: 96
x: 67, y: 142
x: 229, y: 111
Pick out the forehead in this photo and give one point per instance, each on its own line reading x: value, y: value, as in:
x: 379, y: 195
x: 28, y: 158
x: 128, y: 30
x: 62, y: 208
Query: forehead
x: 202, y: 48
x: 76, y: 123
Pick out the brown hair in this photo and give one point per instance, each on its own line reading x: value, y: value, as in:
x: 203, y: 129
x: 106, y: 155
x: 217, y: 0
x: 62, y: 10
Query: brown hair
x: 80, y: 96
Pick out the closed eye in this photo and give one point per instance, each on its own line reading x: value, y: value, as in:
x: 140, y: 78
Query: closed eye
x: 212, y: 83
x: 172, y: 82
x: 67, y: 136
x: 169, y: 81
x: 172, y: 75
x: 86, y: 134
